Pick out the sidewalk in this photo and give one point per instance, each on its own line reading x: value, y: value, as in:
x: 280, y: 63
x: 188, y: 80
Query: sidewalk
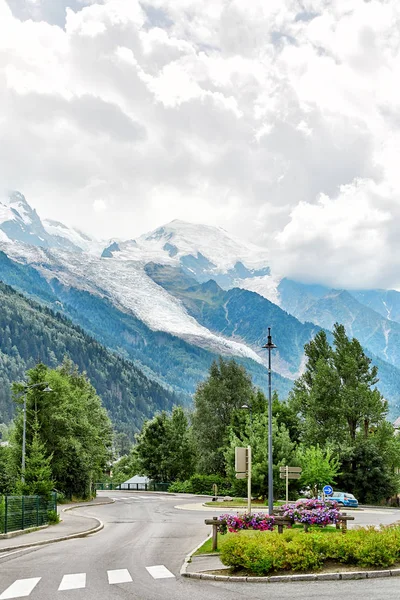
x: 204, y: 563
x: 72, y: 525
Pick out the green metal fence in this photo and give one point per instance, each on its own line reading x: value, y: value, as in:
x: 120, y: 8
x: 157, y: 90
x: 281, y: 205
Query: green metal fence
x: 151, y: 487
x: 22, y: 512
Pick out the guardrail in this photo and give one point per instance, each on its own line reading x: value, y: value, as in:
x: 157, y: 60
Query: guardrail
x: 22, y: 512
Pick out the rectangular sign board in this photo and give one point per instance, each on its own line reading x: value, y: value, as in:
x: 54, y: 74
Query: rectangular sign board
x: 241, y: 460
x: 290, y: 475
x: 290, y: 469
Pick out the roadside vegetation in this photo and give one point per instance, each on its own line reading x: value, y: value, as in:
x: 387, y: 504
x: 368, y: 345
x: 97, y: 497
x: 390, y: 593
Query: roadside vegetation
x: 333, y: 425
x: 266, y: 553
x: 68, y: 436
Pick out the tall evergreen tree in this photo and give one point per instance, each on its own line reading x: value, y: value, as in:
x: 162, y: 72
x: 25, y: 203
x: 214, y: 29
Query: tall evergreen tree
x: 339, y: 406
x: 38, y: 474
x: 227, y: 388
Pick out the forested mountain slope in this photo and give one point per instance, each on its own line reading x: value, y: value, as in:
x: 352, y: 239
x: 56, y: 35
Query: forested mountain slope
x: 162, y: 356
x: 30, y: 333
x: 239, y: 314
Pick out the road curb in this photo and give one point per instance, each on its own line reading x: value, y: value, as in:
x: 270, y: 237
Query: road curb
x: 85, y: 505
x: 188, y: 558
x: 63, y: 538
x: 343, y: 576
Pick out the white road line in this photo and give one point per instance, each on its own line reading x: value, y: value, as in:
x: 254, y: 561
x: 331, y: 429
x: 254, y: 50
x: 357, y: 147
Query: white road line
x: 159, y: 572
x: 20, y: 588
x: 119, y: 576
x: 4, y: 554
x: 74, y: 581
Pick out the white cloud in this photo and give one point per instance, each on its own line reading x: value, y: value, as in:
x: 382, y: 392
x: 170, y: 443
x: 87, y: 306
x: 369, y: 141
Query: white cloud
x: 99, y: 206
x: 279, y: 119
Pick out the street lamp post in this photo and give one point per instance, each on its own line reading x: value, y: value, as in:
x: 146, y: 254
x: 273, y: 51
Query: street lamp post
x: 270, y: 346
x: 24, y: 393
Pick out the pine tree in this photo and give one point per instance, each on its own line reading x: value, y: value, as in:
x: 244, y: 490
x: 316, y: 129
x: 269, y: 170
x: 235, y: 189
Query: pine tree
x: 37, y: 475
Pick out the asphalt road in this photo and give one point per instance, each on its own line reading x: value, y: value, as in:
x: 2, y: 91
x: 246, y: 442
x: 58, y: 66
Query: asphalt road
x: 138, y: 556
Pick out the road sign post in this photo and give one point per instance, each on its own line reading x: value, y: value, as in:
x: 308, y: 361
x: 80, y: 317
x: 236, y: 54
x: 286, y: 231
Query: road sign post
x: 243, y: 470
x: 289, y: 473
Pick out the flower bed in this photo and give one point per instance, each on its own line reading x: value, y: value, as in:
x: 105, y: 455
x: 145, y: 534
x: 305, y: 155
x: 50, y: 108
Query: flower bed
x: 312, y: 512
x: 235, y: 523
x: 306, y: 512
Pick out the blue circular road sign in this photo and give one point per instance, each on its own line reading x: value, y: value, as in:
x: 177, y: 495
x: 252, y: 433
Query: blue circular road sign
x: 328, y: 490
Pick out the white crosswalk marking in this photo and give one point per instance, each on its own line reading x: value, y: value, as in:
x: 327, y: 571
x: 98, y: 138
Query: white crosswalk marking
x: 119, y: 576
x: 73, y: 581
x: 20, y: 588
x: 159, y: 572
x: 146, y: 497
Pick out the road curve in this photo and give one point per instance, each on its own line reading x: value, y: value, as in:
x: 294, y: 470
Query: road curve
x: 138, y: 556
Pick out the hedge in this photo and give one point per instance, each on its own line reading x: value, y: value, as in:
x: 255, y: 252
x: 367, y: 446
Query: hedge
x: 265, y: 552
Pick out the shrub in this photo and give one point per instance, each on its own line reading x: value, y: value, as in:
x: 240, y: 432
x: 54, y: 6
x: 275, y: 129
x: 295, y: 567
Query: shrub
x: 53, y: 517
x: 262, y: 553
x: 202, y: 484
x: 180, y: 487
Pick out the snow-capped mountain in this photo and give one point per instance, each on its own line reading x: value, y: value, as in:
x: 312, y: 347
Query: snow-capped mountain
x: 20, y: 223
x: 205, y: 253
x: 126, y: 284
x: 70, y: 238
x: 160, y: 280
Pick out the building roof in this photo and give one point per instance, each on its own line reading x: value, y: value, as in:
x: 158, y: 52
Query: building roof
x: 138, y: 479
x: 396, y: 423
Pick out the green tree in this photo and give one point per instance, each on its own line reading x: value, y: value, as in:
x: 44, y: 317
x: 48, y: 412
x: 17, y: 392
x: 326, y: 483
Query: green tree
x: 367, y: 474
x: 227, y: 388
x: 338, y: 405
x: 126, y: 467
x: 254, y: 434
x: 285, y: 415
x: 319, y: 467
x: 7, y: 473
x: 164, y: 447
x: 316, y: 395
x: 122, y: 445
x: 74, y: 427
x: 335, y: 397
x: 361, y: 404
x: 38, y: 474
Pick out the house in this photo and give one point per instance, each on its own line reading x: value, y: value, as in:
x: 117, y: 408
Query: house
x: 137, y: 482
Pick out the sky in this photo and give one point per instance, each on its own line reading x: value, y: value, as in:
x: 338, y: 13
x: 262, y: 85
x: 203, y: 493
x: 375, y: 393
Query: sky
x: 278, y: 120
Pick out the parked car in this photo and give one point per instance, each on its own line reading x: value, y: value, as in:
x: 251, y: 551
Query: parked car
x: 344, y: 499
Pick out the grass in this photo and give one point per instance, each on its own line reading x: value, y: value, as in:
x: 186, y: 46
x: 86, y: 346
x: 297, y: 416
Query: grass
x: 242, y: 502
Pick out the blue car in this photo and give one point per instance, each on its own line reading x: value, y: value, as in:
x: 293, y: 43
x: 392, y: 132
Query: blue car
x: 344, y: 499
